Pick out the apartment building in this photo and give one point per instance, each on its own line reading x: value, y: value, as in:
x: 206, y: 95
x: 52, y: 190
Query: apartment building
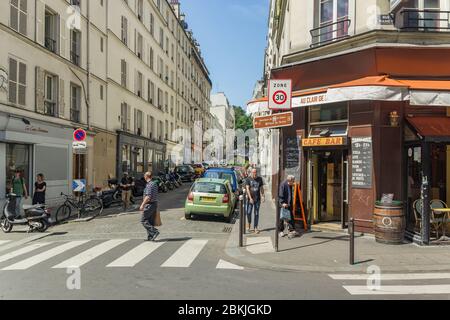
x: 365, y: 73
x: 52, y: 63
x: 128, y: 72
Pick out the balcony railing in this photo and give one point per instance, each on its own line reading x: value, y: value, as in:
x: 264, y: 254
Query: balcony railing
x: 50, y: 108
x: 330, y: 32
x: 50, y: 44
x: 424, y: 20
x: 75, y: 115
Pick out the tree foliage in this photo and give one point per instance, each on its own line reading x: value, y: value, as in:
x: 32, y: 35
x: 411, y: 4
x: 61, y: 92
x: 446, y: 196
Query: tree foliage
x: 243, y: 121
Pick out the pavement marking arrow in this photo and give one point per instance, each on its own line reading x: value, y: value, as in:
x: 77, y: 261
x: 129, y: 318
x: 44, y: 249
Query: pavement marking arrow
x: 228, y: 265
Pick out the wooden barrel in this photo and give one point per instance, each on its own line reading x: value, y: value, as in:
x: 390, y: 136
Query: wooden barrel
x: 390, y: 223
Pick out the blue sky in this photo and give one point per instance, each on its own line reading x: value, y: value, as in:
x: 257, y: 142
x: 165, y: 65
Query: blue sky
x: 232, y: 36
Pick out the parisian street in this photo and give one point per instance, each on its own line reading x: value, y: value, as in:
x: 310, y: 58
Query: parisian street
x: 188, y: 262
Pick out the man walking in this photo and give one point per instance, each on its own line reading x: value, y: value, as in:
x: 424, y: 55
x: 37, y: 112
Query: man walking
x: 19, y: 188
x: 126, y: 184
x: 149, y: 207
x: 285, y: 199
x: 255, y: 193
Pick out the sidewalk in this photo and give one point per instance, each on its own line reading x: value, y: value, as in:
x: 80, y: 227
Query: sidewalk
x: 328, y: 252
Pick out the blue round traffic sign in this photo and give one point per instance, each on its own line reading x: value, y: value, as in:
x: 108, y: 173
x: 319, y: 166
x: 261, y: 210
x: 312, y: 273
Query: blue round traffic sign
x: 79, y: 135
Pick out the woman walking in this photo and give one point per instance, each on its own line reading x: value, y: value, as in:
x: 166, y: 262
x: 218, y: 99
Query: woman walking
x: 40, y: 186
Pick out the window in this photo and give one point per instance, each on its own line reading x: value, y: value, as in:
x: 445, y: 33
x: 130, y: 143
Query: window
x: 160, y: 99
x: 17, y: 82
x: 101, y: 92
x: 161, y: 38
x: 75, y: 41
x: 152, y: 25
x: 150, y: 126
x: 19, y: 16
x: 51, y: 92
x: 151, y: 92
x: 125, y: 115
x: 333, y: 21
x: 328, y: 120
x: 151, y: 58
x: 138, y: 122
x: 51, y: 30
x: 75, y: 103
x: 17, y: 158
x: 166, y: 102
x: 167, y: 130
x: 150, y: 160
x: 139, y: 86
x: 126, y: 158
x: 160, y: 131
x: 125, y: 30
x: 124, y: 73
x: 140, y: 9
x: 140, y: 46
x: 139, y: 154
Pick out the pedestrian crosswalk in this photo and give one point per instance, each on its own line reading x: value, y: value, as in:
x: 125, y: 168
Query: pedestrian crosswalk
x: 112, y: 254
x: 395, y: 284
x: 2, y: 242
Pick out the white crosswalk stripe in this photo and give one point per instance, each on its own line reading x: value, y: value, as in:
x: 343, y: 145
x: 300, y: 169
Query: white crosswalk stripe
x: 184, y: 256
x: 90, y: 254
x: 2, y: 242
x: 23, y: 251
x: 409, y: 288
x: 30, y: 262
x: 136, y: 255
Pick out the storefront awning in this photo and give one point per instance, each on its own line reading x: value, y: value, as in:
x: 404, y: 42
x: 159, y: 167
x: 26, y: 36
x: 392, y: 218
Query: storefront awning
x: 377, y: 88
x: 431, y: 126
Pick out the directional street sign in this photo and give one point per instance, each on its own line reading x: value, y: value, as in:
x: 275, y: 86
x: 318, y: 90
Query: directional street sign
x: 280, y: 95
x: 277, y: 120
x: 79, y: 185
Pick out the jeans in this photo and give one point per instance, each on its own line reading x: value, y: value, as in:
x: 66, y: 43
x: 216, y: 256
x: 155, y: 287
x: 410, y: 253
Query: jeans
x: 148, y: 219
x: 18, y: 206
x: 253, y: 207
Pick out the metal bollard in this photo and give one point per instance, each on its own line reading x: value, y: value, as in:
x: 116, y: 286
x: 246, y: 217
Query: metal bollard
x: 241, y: 221
x: 351, y: 229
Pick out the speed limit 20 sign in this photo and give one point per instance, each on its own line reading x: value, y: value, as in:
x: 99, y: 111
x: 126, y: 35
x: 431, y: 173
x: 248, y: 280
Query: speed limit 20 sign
x: 280, y: 94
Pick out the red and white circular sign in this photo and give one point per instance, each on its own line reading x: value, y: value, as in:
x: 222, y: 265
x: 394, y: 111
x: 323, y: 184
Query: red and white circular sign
x: 279, y: 97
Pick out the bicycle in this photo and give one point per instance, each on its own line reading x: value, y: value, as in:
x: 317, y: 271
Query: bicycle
x: 87, y: 208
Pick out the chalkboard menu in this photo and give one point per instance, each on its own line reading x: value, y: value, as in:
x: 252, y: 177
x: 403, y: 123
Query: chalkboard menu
x: 292, y: 157
x: 362, y: 162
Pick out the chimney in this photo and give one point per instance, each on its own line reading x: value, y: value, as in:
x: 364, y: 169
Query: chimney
x: 176, y: 7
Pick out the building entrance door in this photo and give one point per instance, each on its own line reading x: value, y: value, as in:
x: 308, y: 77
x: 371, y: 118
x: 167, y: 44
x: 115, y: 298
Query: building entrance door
x: 328, y: 186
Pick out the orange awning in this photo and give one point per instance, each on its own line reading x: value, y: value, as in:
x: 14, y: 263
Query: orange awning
x: 384, y: 81
x: 431, y: 126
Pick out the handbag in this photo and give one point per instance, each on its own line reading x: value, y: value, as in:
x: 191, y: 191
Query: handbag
x: 158, y: 222
x: 285, y: 214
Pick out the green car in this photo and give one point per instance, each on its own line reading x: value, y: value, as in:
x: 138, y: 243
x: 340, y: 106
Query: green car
x: 211, y: 197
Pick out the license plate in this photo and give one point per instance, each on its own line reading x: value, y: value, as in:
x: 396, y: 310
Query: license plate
x: 207, y: 199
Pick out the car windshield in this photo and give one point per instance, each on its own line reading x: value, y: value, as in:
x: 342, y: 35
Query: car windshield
x: 209, y: 187
x: 183, y: 169
x: 219, y: 175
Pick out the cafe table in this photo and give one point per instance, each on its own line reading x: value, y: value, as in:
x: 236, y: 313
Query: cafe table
x: 444, y: 214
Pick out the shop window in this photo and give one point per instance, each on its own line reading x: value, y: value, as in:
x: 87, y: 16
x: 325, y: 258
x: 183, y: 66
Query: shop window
x: 150, y: 160
x: 328, y: 131
x: 17, y: 158
x: 126, y: 158
x: 139, y: 152
x: 335, y: 112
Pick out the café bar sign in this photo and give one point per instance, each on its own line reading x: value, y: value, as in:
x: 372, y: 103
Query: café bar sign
x: 277, y: 120
x: 324, y: 142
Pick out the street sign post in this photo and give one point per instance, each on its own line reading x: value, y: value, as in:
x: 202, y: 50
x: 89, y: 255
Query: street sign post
x: 280, y: 95
x: 273, y: 121
x: 79, y: 145
x: 79, y: 135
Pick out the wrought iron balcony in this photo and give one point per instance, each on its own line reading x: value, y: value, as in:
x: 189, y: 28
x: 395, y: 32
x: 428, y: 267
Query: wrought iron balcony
x: 424, y: 20
x: 75, y: 115
x: 50, y: 44
x: 75, y: 58
x: 330, y: 32
x: 50, y: 108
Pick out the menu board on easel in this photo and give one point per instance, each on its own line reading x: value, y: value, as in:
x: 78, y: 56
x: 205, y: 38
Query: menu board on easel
x: 292, y: 159
x: 362, y: 162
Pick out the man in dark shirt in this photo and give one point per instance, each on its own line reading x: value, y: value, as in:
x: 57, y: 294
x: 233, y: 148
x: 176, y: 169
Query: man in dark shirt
x: 150, y: 207
x: 285, y: 198
x: 255, y: 193
x: 126, y: 184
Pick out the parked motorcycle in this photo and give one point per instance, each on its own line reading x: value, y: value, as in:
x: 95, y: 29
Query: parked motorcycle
x: 113, y: 196
x: 36, y: 217
x: 162, y: 187
x: 174, y: 180
x: 168, y: 184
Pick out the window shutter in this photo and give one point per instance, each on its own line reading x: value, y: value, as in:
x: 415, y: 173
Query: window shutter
x: 22, y: 83
x: 63, y: 39
x: 135, y: 121
x: 61, y: 102
x: 128, y: 117
x: 40, y: 22
x: 40, y: 90
x: 23, y: 23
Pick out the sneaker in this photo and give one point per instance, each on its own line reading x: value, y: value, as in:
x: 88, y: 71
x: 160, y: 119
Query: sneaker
x: 154, y: 236
x: 282, y: 234
x: 257, y: 231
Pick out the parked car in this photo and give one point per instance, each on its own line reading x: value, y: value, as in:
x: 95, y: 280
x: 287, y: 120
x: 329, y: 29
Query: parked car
x: 199, y: 169
x: 186, y: 172
x: 211, y: 197
x: 224, y: 173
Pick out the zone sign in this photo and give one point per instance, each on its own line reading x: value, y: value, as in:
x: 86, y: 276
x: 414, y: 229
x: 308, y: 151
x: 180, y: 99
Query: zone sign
x: 280, y: 94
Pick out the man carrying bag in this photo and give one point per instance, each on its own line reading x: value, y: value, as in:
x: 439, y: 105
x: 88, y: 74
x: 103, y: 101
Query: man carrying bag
x: 149, y: 207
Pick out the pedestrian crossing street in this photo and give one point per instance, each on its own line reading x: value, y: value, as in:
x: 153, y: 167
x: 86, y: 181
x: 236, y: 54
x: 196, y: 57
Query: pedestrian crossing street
x: 125, y: 253
x: 395, y: 284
